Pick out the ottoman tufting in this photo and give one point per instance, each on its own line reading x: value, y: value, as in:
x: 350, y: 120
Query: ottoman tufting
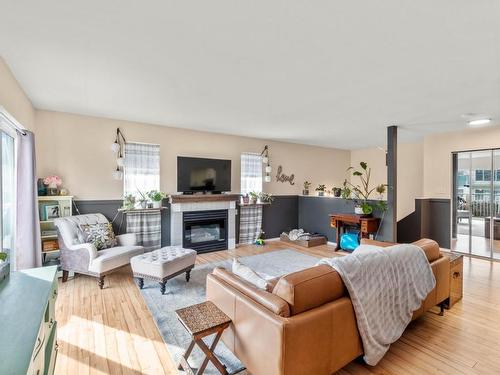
x: 163, y: 264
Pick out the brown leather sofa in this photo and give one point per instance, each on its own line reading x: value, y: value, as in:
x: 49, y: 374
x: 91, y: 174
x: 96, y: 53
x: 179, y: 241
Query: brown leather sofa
x: 306, y: 325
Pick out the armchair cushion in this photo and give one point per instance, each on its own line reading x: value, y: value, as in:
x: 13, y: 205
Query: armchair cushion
x: 114, y: 257
x: 101, y: 235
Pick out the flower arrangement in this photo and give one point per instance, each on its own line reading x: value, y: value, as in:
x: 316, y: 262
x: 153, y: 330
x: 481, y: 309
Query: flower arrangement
x: 52, y: 181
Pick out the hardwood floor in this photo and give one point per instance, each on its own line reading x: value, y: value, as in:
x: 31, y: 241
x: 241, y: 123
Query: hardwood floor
x: 111, y: 331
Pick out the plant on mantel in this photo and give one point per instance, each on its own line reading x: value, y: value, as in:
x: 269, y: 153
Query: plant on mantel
x: 362, y: 192
x: 321, y: 190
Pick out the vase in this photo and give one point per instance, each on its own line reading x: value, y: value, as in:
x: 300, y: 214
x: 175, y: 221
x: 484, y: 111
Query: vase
x: 305, y: 192
x: 144, y: 204
x: 156, y: 204
x: 321, y: 193
x: 52, y: 189
x: 337, y: 192
x: 358, y: 210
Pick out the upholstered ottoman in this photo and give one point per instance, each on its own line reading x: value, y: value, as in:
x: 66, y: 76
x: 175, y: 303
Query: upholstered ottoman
x: 163, y: 264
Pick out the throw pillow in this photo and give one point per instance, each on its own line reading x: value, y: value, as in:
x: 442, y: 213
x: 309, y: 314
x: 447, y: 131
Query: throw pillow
x: 101, y: 235
x: 247, y: 274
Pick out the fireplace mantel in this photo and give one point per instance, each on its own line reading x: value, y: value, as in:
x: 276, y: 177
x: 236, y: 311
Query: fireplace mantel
x: 195, y: 198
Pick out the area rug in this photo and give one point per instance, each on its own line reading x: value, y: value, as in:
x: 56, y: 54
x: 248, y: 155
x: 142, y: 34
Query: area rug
x: 181, y: 294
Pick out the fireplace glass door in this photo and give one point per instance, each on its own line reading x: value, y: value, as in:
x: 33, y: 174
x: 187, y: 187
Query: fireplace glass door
x: 205, y: 230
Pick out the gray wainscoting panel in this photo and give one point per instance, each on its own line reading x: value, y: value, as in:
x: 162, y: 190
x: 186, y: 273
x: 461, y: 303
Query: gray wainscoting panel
x: 314, y: 215
x: 108, y: 208
x: 281, y: 215
x: 431, y: 219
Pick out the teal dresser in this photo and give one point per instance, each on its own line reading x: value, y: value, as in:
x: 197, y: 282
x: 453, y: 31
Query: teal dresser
x: 27, y: 322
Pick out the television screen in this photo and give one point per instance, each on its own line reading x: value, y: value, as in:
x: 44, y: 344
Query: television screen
x: 201, y: 175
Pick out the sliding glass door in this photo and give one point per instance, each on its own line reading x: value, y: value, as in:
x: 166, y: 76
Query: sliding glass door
x: 476, y: 203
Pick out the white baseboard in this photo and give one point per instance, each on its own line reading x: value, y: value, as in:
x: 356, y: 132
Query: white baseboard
x: 272, y: 239
x: 331, y: 243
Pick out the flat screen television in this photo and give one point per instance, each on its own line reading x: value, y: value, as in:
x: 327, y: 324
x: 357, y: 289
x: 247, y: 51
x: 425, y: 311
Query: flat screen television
x: 203, y: 175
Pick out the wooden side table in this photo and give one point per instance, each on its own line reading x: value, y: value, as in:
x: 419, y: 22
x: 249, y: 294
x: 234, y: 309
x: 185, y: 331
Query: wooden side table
x: 456, y: 278
x: 201, y: 320
x: 366, y: 224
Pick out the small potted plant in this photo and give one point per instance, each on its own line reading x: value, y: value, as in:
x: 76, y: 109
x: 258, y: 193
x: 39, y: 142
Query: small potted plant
x: 307, y: 185
x: 156, y: 197
x: 53, y: 183
x: 321, y: 190
x: 129, y: 202
x: 336, y: 192
x: 265, y: 197
x: 143, y: 201
x: 245, y: 199
x: 254, y: 196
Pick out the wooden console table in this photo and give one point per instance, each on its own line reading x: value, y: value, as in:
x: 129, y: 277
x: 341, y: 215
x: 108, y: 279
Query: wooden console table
x: 366, y: 224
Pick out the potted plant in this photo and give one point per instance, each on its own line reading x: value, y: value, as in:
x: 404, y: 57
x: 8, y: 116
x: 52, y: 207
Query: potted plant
x: 52, y: 183
x: 4, y: 270
x: 143, y: 201
x: 245, y: 199
x: 307, y: 185
x: 129, y: 202
x: 363, y: 191
x: 254, y: 196
x: 265, y: 197
x: 156, y: 197
x: 321, y: 190
x: 336, y: 191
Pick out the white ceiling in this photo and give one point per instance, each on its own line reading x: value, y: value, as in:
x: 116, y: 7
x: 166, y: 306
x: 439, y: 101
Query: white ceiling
x: 329, y: 73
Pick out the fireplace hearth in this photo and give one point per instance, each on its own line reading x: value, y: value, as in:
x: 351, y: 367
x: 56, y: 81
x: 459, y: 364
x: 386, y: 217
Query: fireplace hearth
x: 205, y: 231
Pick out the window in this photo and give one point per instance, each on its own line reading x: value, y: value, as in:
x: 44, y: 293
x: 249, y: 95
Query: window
x: 251, y: 173
x: 142, y: 168
x: 7, y: 188
x: 483, y: 175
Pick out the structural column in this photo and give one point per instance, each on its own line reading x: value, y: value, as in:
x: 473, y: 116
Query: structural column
x: 392, y: 188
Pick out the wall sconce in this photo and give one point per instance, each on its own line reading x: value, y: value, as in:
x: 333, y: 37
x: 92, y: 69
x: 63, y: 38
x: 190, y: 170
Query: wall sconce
x: 117, y: 147
x: 265, y: 160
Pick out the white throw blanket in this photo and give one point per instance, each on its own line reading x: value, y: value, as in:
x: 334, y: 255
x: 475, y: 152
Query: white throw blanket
x: 385, y: 285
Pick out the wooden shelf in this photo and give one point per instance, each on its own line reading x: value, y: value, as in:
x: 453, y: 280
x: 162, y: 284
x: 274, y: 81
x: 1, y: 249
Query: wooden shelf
x: 54, y: 197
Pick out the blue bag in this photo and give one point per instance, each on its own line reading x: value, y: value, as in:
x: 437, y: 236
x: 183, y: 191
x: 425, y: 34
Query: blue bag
x: 349, y: 241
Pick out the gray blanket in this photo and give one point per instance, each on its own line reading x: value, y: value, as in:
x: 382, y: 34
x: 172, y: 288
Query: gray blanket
x: 385, y: 285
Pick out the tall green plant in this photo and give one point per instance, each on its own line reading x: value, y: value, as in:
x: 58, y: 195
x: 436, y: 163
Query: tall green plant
x: 363, y: 191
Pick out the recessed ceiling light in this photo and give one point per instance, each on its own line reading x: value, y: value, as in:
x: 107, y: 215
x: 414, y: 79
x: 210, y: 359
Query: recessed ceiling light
x: 479, y: 121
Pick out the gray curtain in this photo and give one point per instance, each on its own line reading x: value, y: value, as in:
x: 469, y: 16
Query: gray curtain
x: 28, y: 242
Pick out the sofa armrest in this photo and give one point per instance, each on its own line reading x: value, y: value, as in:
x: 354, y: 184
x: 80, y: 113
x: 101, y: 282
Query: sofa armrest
x: 127, y: 239
x: 90, y: 248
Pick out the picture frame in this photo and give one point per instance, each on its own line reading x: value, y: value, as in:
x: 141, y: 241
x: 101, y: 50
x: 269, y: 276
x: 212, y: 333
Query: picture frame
x: 51, y: 211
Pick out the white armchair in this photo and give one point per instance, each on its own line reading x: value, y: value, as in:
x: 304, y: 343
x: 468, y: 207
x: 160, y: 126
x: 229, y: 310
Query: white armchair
x: 81, y: 257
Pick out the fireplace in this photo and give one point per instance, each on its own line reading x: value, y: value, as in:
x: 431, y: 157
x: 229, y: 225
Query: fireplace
x: 205, y: 231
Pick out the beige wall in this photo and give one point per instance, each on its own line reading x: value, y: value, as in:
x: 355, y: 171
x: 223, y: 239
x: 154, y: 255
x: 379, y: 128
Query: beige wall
x: 437, y: 156
x: 13, y: 98
x: 78, y: 149
x: 410, y: 172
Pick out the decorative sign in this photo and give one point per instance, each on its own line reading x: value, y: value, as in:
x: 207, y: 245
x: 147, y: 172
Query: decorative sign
x: 281, y: 177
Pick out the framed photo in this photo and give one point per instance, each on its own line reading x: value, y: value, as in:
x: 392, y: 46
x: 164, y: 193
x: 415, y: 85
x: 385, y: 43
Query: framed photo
x: 51, y: 211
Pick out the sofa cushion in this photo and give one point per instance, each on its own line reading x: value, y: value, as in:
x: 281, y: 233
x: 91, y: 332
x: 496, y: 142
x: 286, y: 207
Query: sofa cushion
x: 112, y: 258
x: 248, y: 274
x: 304, y: 290
x: 268, y: 300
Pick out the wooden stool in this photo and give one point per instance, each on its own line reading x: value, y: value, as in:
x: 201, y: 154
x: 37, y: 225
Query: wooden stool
x: 201, y: 320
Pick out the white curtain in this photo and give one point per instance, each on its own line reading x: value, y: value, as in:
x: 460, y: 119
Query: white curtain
x: 251, y: 172
x: 28, y: 242
x: 142, y: 168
